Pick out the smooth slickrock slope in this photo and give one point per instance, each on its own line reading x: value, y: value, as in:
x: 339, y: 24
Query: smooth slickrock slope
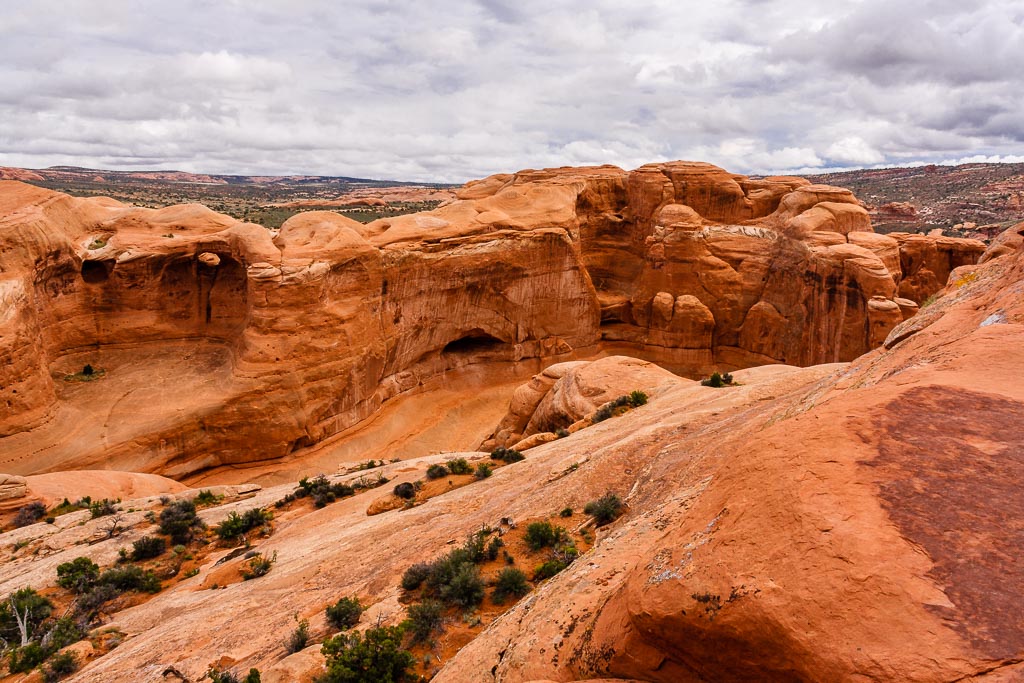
x: 840, y: 522
x: 227, y: 344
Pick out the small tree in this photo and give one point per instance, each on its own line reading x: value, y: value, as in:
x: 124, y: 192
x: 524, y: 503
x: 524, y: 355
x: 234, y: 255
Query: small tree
x: 376, y: 655
x: 78, y: 575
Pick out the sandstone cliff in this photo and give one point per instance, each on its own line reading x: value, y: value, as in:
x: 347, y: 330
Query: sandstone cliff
x: 851, y: 521
x: 224, y: 343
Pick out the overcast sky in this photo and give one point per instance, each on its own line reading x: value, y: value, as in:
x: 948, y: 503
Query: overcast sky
x: 417, y: 90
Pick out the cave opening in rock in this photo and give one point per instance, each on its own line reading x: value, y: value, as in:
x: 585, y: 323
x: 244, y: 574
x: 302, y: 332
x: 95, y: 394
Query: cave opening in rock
x: 95, y: 272
x: 473, y: 342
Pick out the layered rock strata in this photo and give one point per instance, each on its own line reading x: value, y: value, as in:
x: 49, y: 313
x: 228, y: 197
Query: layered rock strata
x: 224, y: 343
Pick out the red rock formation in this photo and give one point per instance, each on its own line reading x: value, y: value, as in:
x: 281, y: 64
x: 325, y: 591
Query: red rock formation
x: 228, y: 343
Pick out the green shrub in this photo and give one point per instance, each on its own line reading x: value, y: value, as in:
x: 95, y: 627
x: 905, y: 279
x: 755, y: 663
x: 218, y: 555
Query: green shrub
x: 511, y: 583
x: 64, y: 632
x: 299, y: 638
x: 605, y: 509
x: 252, y: 677
x: 345, y: 613
x: 60, y: 665
x: 542, y: 535
x: 548, y: 569
x: 459, y: 466
x: 602, y: 414
x: 30, y: 514
x: 78, y: 575
x: 148, y: 547
x: 130, y: 578
x: 102, y: 508
x: 637, y: 398
x: 566, y: 512
x: 425, y: 618
x: 483, y: 470
x: 89, y: 603
x: 507, y: 455
x: 235, y: 525
x: 493, y: 547
x: 258, y: 566
x: 405, y: 491
x: 375, y: 656
x: 206, y: 497
x: 436, y: 471
x: 322, y: 490
x: 179, y: 521
x: 26, y: 658
x: 475, y: 547
x: 415, y: 575
x: 465, y: 588
x: 715, y: 380
x: 561, y: 432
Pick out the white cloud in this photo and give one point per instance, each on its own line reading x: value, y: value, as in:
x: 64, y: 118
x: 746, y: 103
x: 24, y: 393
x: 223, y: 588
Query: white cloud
x: 404, y: 90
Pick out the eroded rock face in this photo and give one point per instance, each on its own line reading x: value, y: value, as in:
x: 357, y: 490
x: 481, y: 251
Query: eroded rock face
x: 844, y: 522
x: 226, y: 343
x: 859, y: 527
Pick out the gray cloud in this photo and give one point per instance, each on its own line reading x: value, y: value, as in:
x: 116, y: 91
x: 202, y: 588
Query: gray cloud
x: 416, y: 91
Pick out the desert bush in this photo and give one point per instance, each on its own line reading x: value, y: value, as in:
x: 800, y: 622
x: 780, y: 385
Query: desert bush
x: 148, y: 547
x: 258, y: 566
x: 26, y: 658
x: 102, y: 508
x: 548, y: 569
x: 206, y: 497
x: 465, y: 588
x: 459, y: 466
x: 493, y: 547
x: 405, y: 490
x: 542, y: 535
x: 436, y: 471
x: 715, y: 380
x: 566, y: 512
x: 376, y: 655
x: 483, y: 470
x: 322, y: 490
x: 415, y: 575
x: 60, y: 665
x: 179, y: 521
x: 61, y: 633
x: 252, y: 677
x: 727, y: 378
x: 89, y: 603
x: 78, y: 575
x: 510, y: 583
x: 561, y: 432
x: 475, y: 547
x: 29, y: 514
x: 299, y: 638
x: 507, y: 455
x: 345, y: 613
x: 235, y: 525
x: 605, y: 509
x: 130, y: 578
x: 637, y: 398
x: 424, y: 619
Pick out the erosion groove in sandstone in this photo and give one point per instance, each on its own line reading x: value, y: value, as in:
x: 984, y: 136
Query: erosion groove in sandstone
x: 225, y: 343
